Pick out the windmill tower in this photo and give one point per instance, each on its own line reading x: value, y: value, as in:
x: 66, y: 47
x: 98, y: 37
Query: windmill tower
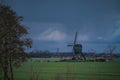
x: 77, y: 50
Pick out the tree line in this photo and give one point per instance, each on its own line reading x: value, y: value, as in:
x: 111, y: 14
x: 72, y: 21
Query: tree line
x: 47, y: 54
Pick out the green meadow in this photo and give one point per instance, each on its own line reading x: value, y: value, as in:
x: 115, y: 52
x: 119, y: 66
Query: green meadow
x: 36, y: 70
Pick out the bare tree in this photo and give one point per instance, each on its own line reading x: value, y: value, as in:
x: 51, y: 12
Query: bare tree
x: 92, y: 52
x: 111, y: 49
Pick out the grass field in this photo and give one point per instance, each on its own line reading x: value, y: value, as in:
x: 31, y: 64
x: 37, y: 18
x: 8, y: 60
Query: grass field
x: 68, y: 71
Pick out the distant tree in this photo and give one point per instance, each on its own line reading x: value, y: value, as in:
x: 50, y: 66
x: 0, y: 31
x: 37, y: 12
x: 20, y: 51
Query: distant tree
x: 92, y: 53
x: 111, y: 49
x: 13, y: 41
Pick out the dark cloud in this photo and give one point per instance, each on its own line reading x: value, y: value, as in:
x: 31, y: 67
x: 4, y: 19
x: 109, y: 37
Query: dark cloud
x: 97, y: 21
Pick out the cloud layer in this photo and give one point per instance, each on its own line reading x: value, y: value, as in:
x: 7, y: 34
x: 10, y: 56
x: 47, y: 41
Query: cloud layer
x: 52, y: 35
x: 54, y: 23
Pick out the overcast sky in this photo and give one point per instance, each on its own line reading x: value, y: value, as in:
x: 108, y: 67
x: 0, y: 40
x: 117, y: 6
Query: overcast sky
x: 53, y: 23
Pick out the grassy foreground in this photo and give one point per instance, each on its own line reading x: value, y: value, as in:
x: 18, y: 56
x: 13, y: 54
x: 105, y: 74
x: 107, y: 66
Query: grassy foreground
x: 68, y: 71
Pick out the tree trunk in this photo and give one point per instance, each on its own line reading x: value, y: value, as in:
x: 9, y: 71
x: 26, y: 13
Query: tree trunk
x: 5, y: 70
x: 5, y: 74
x: 5, y: 67
x: 11, y: 69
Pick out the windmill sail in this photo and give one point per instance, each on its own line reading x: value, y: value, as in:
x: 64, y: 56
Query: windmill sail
x: 75, y: 38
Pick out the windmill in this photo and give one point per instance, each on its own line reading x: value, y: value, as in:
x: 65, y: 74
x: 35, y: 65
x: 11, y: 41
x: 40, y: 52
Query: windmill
x: 77, y: 50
